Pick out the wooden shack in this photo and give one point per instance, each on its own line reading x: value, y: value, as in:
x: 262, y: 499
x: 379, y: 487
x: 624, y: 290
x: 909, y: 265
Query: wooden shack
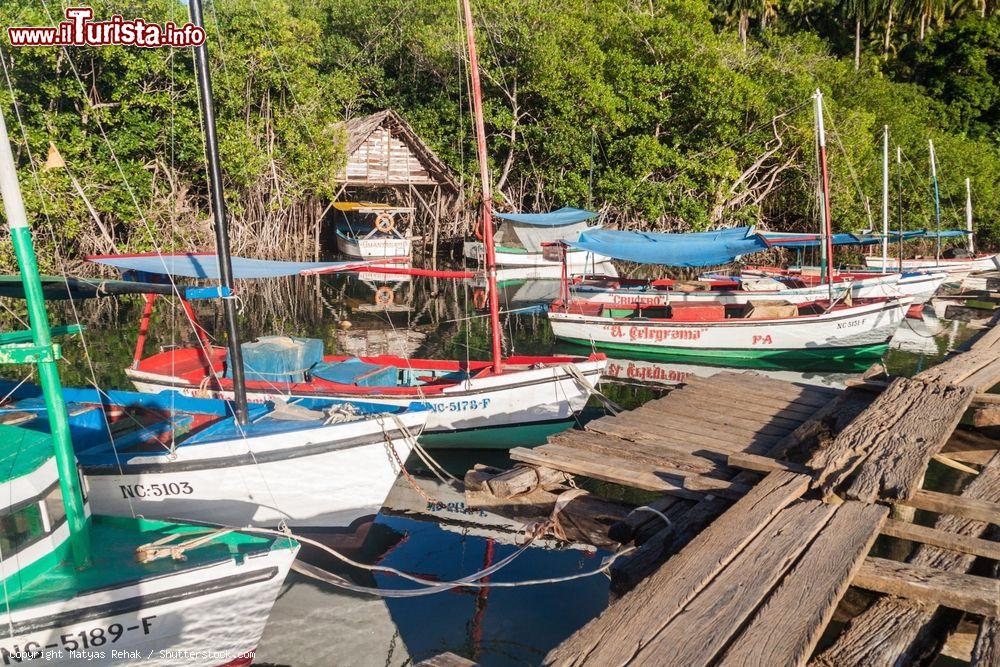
x: 388, y: 162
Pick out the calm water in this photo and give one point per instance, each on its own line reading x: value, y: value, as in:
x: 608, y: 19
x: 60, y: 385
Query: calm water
x: 315, y: 624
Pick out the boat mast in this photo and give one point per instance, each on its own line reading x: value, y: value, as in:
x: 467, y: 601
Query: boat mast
x: 899, y: 201
x: 43, y: 353
x: 219, y: 215
x: 825, y: 184
x: 937, y: 203
x: 486, y: 213
x: 968, y: 215
x: 885, y: 198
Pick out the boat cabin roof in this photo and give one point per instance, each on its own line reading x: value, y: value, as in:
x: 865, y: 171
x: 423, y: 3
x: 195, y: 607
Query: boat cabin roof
x: 23, y: 452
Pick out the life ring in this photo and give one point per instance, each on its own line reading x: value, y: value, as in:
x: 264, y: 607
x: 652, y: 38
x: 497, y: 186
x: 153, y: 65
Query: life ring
x: 479, y: 298
x: 385, y: 223
x: 384, y: 296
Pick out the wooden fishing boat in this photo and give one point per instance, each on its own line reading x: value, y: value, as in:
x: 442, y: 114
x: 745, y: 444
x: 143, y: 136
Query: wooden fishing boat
x: 520, y: 238
x: 919, y: 285
x: 957, y: 267
x: 727, y: 289
x: 379, y: 239
x: 306, y: 463
x: 763, y: 330
x: 160, y: 593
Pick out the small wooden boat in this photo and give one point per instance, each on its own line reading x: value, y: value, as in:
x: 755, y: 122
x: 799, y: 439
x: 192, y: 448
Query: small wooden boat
x: 757, y: 330
x: 727, y: 289
x: 520, y: 238
x: 958, y: 267
x: 920, y: 285
x: 379, y: 239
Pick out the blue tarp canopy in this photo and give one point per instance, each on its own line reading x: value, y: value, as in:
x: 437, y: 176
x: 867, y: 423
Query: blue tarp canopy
x: 930, y: 234
x: 564, y: 216
x: 792, y: 240
x: 694, y: 250
x: 206, y: 266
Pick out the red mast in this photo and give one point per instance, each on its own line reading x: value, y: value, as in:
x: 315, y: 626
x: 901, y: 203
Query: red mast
x: 827, y: 224
x: 486, y: 214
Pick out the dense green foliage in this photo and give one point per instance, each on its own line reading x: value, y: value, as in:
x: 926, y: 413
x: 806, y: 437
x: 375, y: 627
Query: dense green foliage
x: 685, y: 125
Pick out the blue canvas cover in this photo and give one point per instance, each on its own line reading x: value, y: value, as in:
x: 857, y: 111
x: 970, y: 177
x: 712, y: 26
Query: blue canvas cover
x: 796, y: 240
x: 279, y: 359
x: 206, y: 266
x: 564, y: 216
x: 694, y: 250
x: 357, y: 372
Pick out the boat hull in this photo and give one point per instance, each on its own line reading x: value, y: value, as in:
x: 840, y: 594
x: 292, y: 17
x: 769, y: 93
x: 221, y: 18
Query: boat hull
x: 376, y: 247
x: 863, y: 330
x: 341, y: 474
x: 955, y: 267
x: 863, y: 289
x: 211, y: 615
x: 472, y: 413
x: 576, y: 260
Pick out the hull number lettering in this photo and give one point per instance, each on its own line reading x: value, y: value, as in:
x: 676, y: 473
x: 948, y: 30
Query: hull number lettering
x: 462, y: 406
x: 87, y: 644
x: 156, y: 490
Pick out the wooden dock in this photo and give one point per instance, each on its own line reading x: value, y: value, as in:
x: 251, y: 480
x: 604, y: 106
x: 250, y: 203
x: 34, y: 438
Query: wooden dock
x: 766, y: 500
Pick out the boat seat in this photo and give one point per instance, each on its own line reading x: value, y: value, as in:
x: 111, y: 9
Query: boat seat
x: 769, y: 310
x: 357, y: 372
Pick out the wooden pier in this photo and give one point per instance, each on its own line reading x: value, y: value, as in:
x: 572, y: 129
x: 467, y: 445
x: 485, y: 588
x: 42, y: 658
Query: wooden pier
x: 765, y: 501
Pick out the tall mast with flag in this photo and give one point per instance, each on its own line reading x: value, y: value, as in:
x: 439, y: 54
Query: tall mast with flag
x: 219, y: 217
x: 486, y: 211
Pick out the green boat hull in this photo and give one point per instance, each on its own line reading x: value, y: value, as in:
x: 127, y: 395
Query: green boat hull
x: 723, y: 356
x: 501, y: 437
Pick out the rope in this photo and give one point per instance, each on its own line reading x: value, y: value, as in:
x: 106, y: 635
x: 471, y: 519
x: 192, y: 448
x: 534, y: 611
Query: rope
x: 581, y: 379
x: 647, y: 508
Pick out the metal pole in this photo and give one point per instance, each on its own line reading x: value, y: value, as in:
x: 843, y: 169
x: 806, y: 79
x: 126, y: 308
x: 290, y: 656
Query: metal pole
x: 885, y: 198
x: 219, y: 214
x: 968, y: 215
x: 825, y: 183
x: 48, y: 371
x: 937, y: 203
x: 486, y: 215
x: 899, y: 201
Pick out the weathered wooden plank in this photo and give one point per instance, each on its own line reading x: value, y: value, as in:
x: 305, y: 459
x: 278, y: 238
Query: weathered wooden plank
x: 702, y: 402
x: 696, y: 411
x: 788, y: 626
x: 760, y: 391
x: 976, y: 368
x: 837, y: 412
x: 986, y: 652
x: 698, y: 634
x: 625, y: 530
x: 884, y: 452
x: 447, y: 660
x: 970, y: 447
x: 761, y: 384
x: 643, y: 451
x: 522, y: 479
x: 758, y: 463
x: 624, y: 628
x: 940, y: 538
x: 899, y: 631
x: 628, y: 473
x: 960, y: 506
x: 689, y: 429
x: 680, y: 434
x: 984, y: 417
x: 929, y: 585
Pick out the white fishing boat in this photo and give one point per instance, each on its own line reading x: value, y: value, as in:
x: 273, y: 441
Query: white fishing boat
x: 958, y: 267
x: 380, y: 239
x: 520, y: 240
x: 736, y: 290
x: 919, y: 285
x: 800, y: 331
x: 159, y: 593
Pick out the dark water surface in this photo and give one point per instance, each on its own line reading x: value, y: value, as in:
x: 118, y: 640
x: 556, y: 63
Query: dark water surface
x: 316, y: 624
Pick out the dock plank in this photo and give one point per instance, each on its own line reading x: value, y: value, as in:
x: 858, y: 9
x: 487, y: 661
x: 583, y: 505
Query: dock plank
x: 899, y: 631
x: 885, y: 451
x: 643, y: 452
x: 624, y: 628
x: 697, y: 634
x: 812, y: 589
x: 967, y: 592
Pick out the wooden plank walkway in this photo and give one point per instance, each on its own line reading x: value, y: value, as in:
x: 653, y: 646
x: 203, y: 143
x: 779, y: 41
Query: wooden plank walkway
x: 679, y: 444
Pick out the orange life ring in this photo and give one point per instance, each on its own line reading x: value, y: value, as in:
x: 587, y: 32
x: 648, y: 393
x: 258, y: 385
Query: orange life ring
x: 384, y: 296
x: 479, y: 298
x: 384, y: 223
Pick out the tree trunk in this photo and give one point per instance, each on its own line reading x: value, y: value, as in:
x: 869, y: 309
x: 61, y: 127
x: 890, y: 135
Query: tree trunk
x: 888, y: 32
x: 857, y: 44
x: 923, y: 25
x: 744, y: 23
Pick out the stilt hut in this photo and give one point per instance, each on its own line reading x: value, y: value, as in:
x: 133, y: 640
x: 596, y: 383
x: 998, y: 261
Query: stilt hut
x: 388, y: 163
